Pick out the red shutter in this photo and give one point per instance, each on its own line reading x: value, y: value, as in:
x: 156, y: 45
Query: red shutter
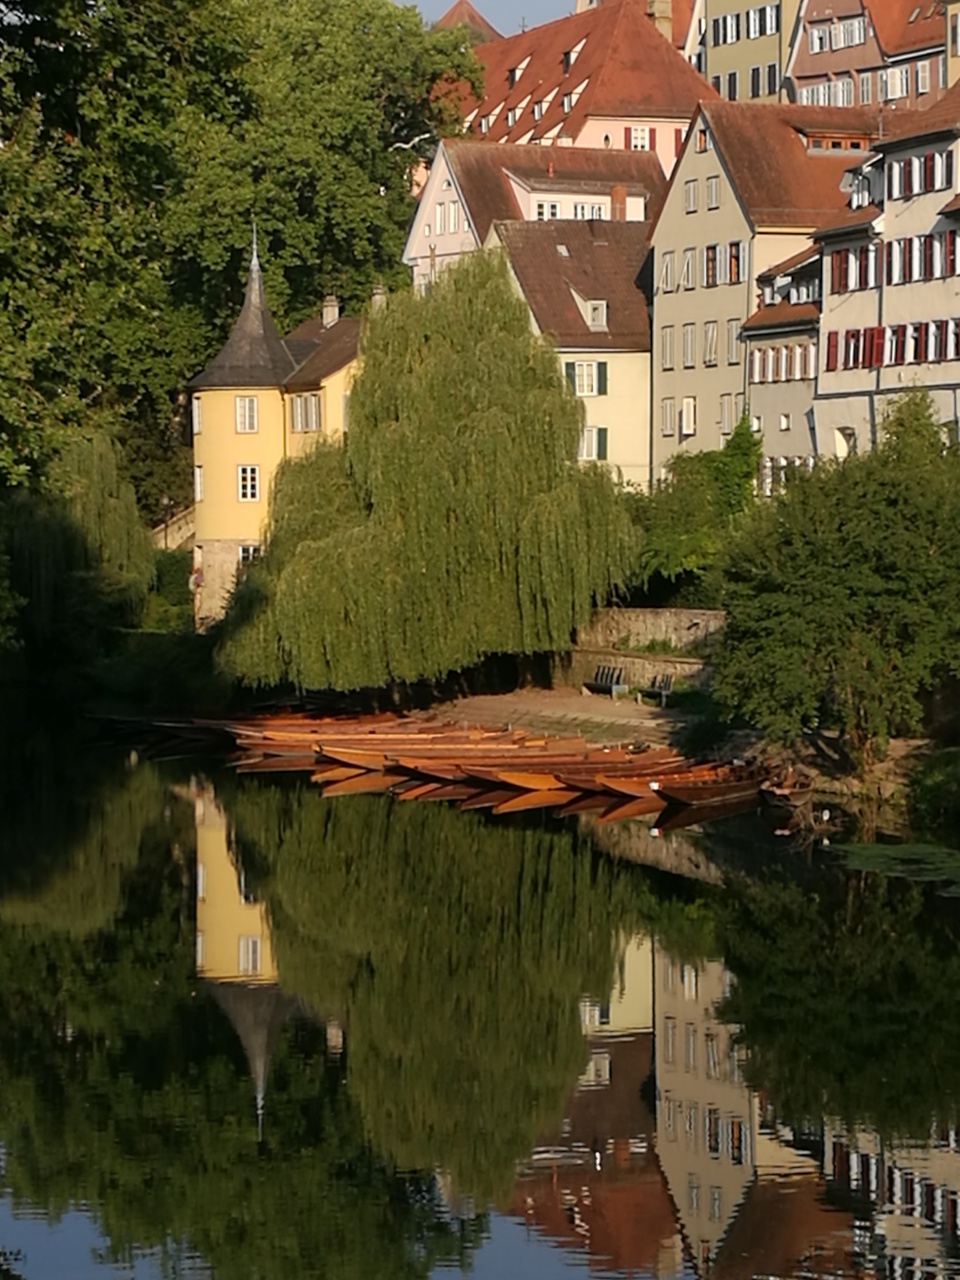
x: 677, y: 141
x: 653, y: 139
x: 922, y: 339
x: 863, y: 267
x: 900, y: 344
x: 838, y: 271
x: 929, y: 178
x: 948, y: 168
x: 888, y: 254
x: 833, y: 348
x: 928, y: 257
x: 876, y: 352
x: 950, y: 253
x: 627, y: 138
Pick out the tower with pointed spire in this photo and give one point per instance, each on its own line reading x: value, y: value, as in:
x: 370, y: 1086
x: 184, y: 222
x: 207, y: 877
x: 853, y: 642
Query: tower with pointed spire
x: 260, y: 399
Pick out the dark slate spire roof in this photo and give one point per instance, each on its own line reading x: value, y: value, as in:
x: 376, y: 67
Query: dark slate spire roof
x: 254, y: 355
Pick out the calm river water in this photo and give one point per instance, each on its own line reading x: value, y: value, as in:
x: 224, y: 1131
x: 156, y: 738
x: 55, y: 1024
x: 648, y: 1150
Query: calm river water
x: 247, y: 1032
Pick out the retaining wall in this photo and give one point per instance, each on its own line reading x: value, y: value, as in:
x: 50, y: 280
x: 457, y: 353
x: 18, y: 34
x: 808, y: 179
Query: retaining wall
x: 634, y: 628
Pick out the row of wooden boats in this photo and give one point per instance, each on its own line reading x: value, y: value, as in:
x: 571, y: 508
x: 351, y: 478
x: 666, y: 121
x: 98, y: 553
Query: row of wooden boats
x: 506, y: 770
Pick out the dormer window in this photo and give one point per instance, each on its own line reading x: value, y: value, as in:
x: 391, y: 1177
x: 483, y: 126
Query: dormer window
x: 571, y: 55
x: 511, y: 117
x: 484, y: 124
x: 597, y: 315
x: 567, y: 102
x: 514, y: 74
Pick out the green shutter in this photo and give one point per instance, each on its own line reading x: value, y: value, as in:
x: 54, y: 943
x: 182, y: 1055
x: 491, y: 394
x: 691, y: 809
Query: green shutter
x: 571, y: 371
x: 602, y: 378
x: 602, y: 436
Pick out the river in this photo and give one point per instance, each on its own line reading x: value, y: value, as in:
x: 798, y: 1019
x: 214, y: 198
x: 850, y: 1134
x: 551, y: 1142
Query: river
x: 246, y: 1032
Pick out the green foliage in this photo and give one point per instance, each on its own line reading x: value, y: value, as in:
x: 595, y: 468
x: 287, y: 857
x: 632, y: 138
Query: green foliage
x: 684, y: 525
x: 934, y: 796
x: 457, y: 522
x: 843, y: 592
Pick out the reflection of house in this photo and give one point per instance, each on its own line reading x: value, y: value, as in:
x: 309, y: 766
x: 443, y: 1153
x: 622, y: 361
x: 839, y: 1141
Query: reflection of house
x: 913, y: 1193
x: 595, y: 1185
x: 707, y: 1120
x: 261, y: 399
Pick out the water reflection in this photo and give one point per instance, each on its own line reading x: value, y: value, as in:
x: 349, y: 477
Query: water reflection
x: 278, y: 1035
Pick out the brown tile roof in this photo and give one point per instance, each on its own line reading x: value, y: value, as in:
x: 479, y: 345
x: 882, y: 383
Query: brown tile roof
x: 847, y: 220
x: 951, y: 207
x: 905, y: 25
x: 625, y: 67
x: 463, y: 14
x: 254, y: 355
x: 481, y: 173
x: 784, y: 315
x: 336, y: 347
x: 600, y: 260
x: 780, y: 181
x: 943, y: 116
x: 809, y: 254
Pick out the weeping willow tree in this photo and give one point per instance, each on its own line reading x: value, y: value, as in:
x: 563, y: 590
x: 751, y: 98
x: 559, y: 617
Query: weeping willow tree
x: 456, y: 952
x: 457, y: 522
x: 80, y: 556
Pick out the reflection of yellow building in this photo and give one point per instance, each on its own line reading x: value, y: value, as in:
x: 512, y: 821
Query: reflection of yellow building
x: 233, y: 932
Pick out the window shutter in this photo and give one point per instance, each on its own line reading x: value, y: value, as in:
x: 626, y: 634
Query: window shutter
x: 602, y: 378
x: 602, y: 443
x: 571, y: 371
x: 677, y: 141
x: 652, y: 135
x: 948, y: 167
x: 627, y: 139
x: 833, y: 347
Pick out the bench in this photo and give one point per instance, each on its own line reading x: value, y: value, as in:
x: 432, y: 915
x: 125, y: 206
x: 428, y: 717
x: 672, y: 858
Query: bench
x: 607, y: 680
x: 660, y: 688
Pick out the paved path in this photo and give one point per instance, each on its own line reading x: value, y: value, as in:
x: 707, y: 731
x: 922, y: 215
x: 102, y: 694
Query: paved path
x: 598, y: 718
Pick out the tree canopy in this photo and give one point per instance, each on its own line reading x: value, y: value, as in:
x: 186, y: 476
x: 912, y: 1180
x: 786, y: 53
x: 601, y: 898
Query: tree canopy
x: 456, y: 523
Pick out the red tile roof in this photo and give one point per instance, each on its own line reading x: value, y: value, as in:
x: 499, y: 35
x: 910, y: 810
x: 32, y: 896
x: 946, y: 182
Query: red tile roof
x: 779, y: 179
x: 600, y: 260
x: 848, y: 220
x: 463, y: 13
x: 902, y: 26
x: 481, y: 173
x: 625, y: 69
x: 790, y: 264
x: 335, y: 347
x: 784, y: 315
x: 942, y: 116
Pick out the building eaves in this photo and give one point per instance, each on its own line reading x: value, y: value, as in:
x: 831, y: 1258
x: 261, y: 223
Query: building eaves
x: 847, y: 221
x: 806, y: 257
x: 783, y: 316
x: 907, y: 26
x: 337, y: 347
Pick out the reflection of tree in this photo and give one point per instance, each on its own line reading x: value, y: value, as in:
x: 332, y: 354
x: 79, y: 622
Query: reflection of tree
x: 126, y: 1088
x: 455, y: 950
x: 847, y: 999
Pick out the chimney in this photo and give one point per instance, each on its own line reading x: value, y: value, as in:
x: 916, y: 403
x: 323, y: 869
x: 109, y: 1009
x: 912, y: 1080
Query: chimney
x: 331, y: 310
x: 618, y: 203
x: 378, y: 297
x: 661, y: 12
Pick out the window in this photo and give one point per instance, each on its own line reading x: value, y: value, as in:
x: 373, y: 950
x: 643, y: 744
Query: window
x: 710, y: 342
x: 440, y: 223
x: 733, y: 341
x: 866, y: 87
x: 852, y: 349
x: 923, y: 77
x: 690, y: 196
x: 756, y: 424
x: 196, y: 405
x: 726, y: 414
x: 688, y: 279
x: 305, y: 412
x: 248, y: 553
x: 713, y: 192
x: 587, y: 377
x: 670, y: 1117
x: 641, y: 138
x: 818, y: 38
x: 693, y: 1195
x: 773, y: 79
x: 735, y: 260
x: 690, y: 1047
x: 538, y: 110
x: 547, y: 210
x: 702, y: 141
x: 689, y: 346
x: 201, y: 882
x: 784, y: 422
x: 710, y: 266
x: 248, y: 483
x: 246, y: 410
x: 688, y: 416
x: 582, y: 211
x: 593, y: 448
x: 711, y: 1055
x: 691, y: 1125
x: 716, y: 1204
x: 454, y: 211
x: 198, y: 484
x: 668, y: 416
x: 711, y: 1124
x: 249, y: 955
x: 669, y: 1041
x: 597, y: 312
x: 756, y: 82
x: 733, y: 81
x: 667, y: 355
x: 667, y: 282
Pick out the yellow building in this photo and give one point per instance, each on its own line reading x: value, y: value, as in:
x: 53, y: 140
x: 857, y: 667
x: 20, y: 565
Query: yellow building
x: 261, y: 399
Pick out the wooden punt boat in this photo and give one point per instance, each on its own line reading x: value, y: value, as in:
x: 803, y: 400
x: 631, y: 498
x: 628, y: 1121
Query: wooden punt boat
x: 335, y: 773
x: 487, y: 799
x: 676, y: 817
x: 640, y: 807
x: 277, y: 764
x: 451, y: 792
x: 364, y: 784
x: 534, y: 800
x: 588, y: 803
x: 645, y: 784
x: 718, y: 790
x: 788, y: 792
x: 414, y: 790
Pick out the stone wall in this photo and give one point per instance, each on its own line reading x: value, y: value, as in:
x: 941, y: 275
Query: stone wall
x: 580, y: 665
x: 634, y: 628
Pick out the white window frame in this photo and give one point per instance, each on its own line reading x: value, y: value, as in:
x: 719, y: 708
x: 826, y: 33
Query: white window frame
x: 713, y: 191
x: 688, y: 279
x: 639, y: 137
x: 585, y: 377
x: 587, y: 446
x: 548, y: 210
x: 690, y: 195
x: 710, y: 343
x: 923, y: 77
x: 784, y: 422
x: 733, y: 341
x: 248, y: 482
x: 865, y: 87
x: 454, y: 216
x: 726, y: 414
x: 668, y: 416
x: 196, y: 414
x: 248, y: 553
x: 249, y: 954
x: 198, y: 482
x: 246, y: 411
x: 667, y: 276
x: 668, y: 354
x: 305, y: 412
x: 689, y: 345
x: 688, y: 417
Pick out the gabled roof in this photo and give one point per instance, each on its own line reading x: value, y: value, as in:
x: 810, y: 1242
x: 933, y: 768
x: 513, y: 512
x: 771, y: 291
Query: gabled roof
x: 942, y: 117
x: 463, y: 14
x: 806, y: 257
x: 254, y: 355
x: 336, y: 347
x: 599, y: 261
x: 902, y: 26
x: 784, y: 315
x: 780, y: 180
x: 622, y: 68
x: 481, y: 173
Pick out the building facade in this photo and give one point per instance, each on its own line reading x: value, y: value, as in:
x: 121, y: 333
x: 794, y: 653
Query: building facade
x: 744, y: 47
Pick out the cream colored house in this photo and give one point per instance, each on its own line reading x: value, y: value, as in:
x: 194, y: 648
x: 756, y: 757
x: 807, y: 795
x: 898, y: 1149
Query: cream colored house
x: 472, y: 185
x: 891, y: 282
x: 745, y: 47
x: 753, y: 181
x: 261, y: 399
x: 581, y: 281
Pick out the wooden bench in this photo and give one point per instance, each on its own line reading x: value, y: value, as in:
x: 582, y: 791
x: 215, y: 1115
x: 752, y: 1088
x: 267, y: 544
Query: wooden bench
x: 607, y: 680
x: 660, y: 687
